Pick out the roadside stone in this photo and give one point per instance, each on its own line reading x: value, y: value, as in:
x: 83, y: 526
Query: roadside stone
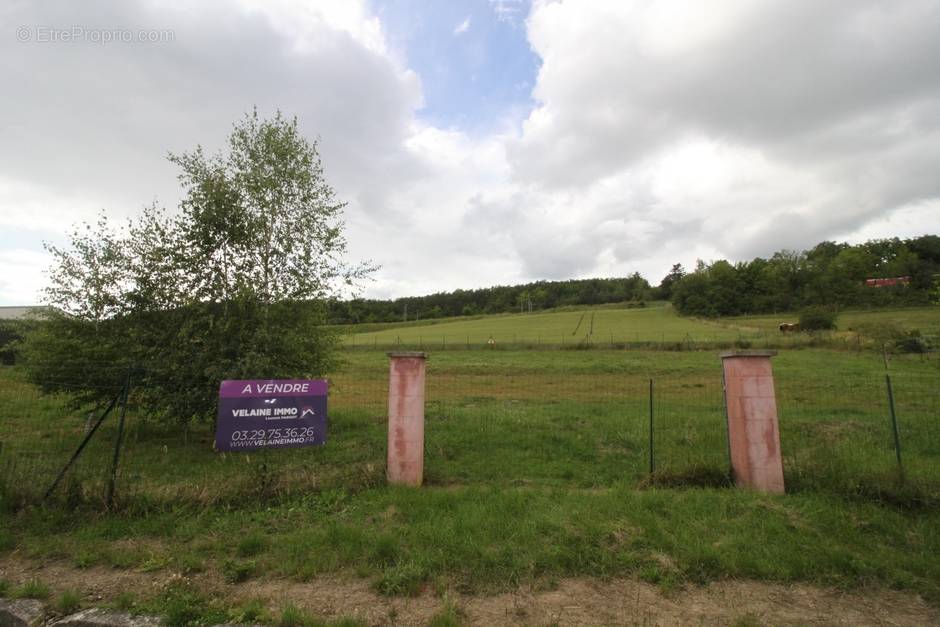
x: 96, y: 617
x: 20, y: 612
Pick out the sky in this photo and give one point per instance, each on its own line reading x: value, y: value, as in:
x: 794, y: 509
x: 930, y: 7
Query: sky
x: 487, y: 142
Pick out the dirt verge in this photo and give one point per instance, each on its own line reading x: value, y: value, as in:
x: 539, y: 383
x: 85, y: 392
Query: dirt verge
x: 572, y: 602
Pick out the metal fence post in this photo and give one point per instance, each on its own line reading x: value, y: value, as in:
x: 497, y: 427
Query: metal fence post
x: 81, y: 447
x: 894, y: 424
x: 112, y: 474
x: 652, y: 458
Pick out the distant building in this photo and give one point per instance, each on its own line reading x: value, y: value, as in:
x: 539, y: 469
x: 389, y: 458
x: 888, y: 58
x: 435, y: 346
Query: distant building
x: 900, y: 280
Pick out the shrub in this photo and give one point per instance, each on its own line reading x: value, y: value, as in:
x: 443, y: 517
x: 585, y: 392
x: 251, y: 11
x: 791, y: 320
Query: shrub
x: 818, y: 319
x: 912, y: 342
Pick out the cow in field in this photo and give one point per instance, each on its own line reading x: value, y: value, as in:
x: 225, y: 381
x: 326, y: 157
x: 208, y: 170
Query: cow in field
x: 789, y: 327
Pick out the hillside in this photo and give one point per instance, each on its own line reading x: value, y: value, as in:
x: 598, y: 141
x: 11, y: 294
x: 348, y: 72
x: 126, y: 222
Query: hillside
x: 598, y: 324
x: 654, y: 324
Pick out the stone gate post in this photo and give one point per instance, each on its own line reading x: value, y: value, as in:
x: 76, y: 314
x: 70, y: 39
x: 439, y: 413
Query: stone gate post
x: 753, y: 432
x: 406, y: 418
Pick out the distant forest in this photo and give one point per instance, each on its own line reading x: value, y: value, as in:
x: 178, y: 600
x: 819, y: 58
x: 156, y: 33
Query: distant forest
x: 491, y: 300
x: 829, y: 274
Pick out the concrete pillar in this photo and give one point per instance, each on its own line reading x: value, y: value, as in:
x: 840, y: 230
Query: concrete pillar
x: 406, y: 418
x: 753, y: 432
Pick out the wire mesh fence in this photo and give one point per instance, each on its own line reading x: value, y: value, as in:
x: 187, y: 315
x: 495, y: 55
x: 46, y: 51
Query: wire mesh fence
x: 484, y: 426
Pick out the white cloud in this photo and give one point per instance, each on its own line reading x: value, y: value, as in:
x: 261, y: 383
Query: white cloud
x: 22, y: 275
x: 93, y: 123
x: 738, y: 128
x: 463, y: 27
x: 510, y: 11
x: 662, y: 131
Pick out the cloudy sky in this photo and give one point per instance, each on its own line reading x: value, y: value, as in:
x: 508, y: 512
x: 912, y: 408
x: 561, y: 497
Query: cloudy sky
x: 485, y: 142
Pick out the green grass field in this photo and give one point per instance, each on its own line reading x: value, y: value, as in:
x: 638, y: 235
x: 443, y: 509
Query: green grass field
x: 924, y: 319
x: 656, y: 323
x: 608, y: 325
x: 537, y: 469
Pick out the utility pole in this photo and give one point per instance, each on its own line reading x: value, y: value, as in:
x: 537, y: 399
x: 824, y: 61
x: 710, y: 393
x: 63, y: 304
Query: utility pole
x: 406, y: 312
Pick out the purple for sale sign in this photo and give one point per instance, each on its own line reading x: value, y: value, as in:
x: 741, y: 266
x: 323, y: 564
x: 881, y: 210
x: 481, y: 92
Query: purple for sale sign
x: 270, y: 414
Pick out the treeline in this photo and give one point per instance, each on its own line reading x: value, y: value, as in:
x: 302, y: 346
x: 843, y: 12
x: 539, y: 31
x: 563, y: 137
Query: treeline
x: 829, y: 274
x: 491, y: 300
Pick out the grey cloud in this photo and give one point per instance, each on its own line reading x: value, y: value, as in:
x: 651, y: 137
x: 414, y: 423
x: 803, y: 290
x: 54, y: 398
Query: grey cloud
x: 100, y: 118
x: 843, y: 93
x: 787, y: 73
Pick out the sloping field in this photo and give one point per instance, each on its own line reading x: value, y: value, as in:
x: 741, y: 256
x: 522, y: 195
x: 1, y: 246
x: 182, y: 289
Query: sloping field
x: 602, y: 324
x: 925, y: 319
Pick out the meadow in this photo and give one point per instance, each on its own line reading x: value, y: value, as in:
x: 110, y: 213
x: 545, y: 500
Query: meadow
x: 924, y: 319
x: 656, y: 326
x: 539, y: 467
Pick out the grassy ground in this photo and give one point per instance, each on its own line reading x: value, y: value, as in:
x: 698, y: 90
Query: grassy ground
x: 537, y: 469
x: 577, y: 419
x: 925, y: 319
x: 654, y: 324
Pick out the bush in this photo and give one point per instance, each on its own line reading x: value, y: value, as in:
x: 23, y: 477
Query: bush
x: 11, y: 332
x: 818, y: 319
x: 912, y: 342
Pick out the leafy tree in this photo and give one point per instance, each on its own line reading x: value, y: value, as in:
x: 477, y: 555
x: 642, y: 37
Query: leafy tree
x: 231, y: 286
x: 829, y: 274
x: 674, y: 276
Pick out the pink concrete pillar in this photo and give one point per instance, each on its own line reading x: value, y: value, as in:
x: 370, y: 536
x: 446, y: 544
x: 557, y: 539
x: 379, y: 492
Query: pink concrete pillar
x: 406, y: 418
x: 753, y: 433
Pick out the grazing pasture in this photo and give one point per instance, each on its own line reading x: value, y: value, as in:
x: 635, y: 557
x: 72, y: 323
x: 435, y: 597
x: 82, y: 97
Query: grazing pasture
x: 541, y: 466
x: 652, y: 326
x: 605, y: 324
x: 925, y: 319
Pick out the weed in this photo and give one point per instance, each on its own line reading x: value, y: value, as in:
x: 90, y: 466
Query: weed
x: 403, y: 578
x: 250, y: 612
x: 182, y: 605
x: 293, y: 616
x: 32, y: 589
x: 125, y: 601
x: 85, y: 559
x: 251, y: 545
x: 385, y: 552
x: 448, y: 616
x: 68, y: 602
x: 238, y: 572
x: 189, y: 564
